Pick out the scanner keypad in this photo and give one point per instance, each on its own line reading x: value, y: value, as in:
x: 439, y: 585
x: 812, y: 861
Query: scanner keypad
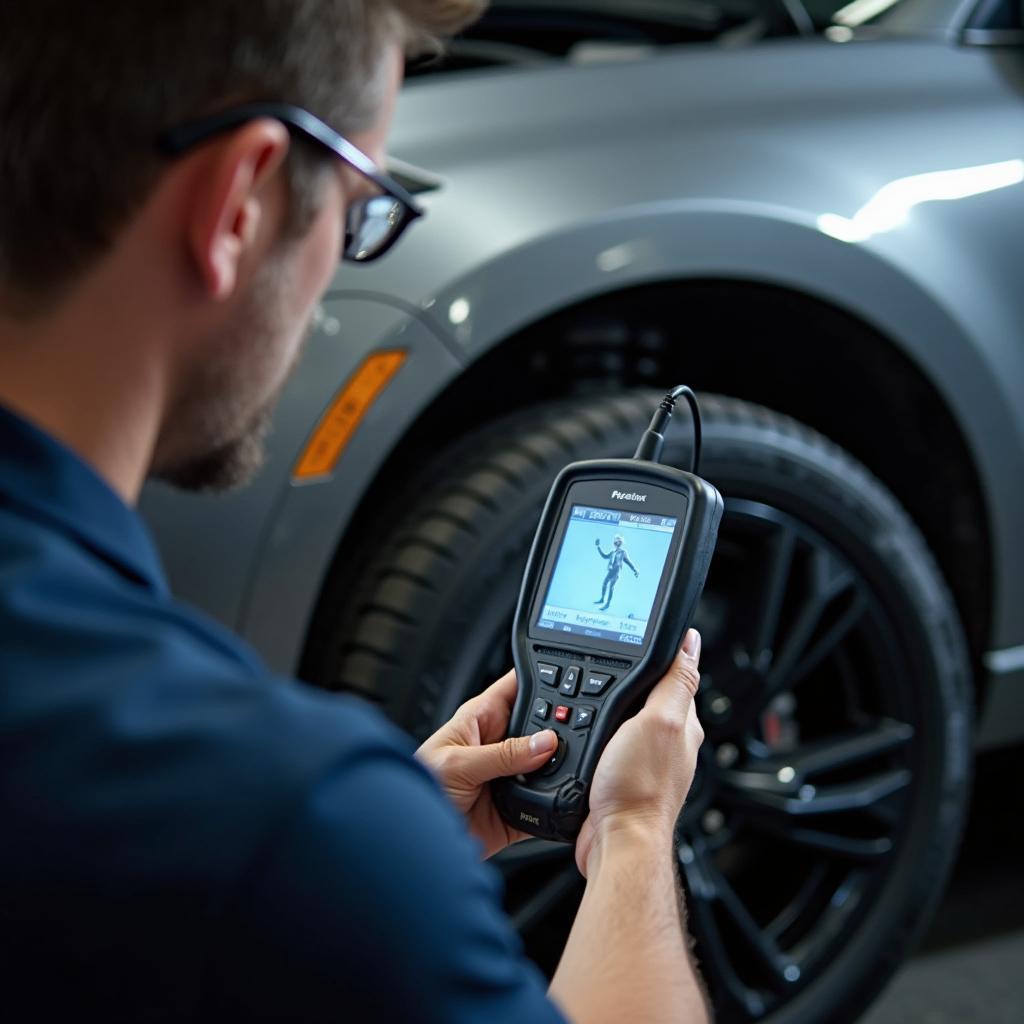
x: 571, y: 674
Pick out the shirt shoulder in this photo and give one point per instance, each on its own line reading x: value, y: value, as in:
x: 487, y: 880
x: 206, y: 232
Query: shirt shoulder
x: 129, y: 675
x: 145, y: 755
x: 179, y: 821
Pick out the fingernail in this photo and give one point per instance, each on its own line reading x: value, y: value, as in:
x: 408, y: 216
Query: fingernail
x: 542, y: 742
x: 691, y: 643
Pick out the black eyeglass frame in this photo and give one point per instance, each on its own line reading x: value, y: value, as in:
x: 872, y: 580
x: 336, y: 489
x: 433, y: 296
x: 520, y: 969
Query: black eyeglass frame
x: 176, y: 141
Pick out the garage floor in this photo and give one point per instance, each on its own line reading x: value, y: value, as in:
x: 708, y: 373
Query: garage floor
x: 971, y: 964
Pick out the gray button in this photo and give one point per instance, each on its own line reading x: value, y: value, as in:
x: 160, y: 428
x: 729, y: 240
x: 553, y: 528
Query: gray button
x: 583, y: 718
x: 596, y: 682
x: 571, y: 682
x: 548, y: 674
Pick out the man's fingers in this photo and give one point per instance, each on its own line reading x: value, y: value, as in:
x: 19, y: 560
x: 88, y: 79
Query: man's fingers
x: 509, y: 757
x: 677, y: 688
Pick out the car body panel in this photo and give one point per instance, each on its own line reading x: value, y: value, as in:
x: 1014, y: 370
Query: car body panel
x: 569, y: 213
x: 304, y: 535
x: 567, y: 182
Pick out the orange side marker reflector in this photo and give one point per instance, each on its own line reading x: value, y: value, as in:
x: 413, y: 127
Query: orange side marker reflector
x: 345, y: 413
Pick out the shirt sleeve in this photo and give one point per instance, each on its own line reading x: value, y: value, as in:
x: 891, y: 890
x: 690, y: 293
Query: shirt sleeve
x: 371, y: 903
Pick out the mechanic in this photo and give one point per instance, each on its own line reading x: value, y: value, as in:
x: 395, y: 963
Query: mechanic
x: 615, y: 558
x: 184, y: 837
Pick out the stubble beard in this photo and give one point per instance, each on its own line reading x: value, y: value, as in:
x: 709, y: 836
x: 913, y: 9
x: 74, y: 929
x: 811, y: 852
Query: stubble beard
x: 227, y: 467
x: 221, y: 436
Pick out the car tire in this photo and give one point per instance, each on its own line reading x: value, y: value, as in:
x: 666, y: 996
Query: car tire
x: 804, y: 900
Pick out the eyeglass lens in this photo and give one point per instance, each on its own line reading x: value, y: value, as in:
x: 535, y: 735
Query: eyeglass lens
x: 372, y: 226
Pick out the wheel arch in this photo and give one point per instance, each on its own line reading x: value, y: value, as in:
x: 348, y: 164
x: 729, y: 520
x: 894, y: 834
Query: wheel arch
x: 619, y: 338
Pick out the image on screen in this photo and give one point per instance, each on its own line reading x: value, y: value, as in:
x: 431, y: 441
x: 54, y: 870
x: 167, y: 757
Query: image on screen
x: 607, y: 574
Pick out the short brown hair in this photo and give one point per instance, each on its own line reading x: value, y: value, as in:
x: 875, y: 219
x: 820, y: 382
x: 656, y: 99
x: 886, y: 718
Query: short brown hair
x: 86, y: 89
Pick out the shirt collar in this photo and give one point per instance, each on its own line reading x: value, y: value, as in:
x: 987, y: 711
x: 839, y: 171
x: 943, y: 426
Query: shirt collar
x: 41, y: 476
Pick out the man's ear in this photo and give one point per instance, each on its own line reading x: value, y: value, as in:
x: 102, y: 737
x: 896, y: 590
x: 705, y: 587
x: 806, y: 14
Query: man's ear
x: 232, y: 200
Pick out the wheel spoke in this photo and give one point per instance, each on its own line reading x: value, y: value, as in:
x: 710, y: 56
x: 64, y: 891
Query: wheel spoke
x: 546, y: 899
x: 715, y: 887
x: 780, y: 564
x: 828, y: 579
x: 850, y: 847
x: 838, y: 752
x: 780, y: 809
x: 760, y: 944
x: 716, y: 962
x: 804, y: 898
x: 786, y: 773
x: 830, y: 640
x: 781, y: 789
x: 863, y: 794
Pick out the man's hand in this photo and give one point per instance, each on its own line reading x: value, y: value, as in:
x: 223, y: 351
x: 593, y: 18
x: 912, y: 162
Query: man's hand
x: 646, y: 770
x: 627, y: 957
x: 469, y: 751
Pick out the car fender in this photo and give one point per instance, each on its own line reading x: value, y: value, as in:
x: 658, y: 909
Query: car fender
x: 941, y: 310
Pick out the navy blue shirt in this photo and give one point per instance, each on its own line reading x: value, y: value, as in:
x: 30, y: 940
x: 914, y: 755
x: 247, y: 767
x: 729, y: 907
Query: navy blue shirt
x: 184, y: 837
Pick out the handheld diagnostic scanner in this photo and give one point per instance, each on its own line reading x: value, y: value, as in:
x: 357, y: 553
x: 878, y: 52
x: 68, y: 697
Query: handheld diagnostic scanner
x: 614, y: 575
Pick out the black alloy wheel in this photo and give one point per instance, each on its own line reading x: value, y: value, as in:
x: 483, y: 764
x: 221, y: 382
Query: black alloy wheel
x: 832, y: 783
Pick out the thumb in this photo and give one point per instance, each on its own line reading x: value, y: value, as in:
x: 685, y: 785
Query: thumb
x: 512, y: 756
x: 675, y: 691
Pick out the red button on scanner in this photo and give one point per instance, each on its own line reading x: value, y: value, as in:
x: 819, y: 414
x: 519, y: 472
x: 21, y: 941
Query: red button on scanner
x: 561, y: 713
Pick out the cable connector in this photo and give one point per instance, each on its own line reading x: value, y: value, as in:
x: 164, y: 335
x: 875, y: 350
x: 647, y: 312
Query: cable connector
x: 653, y: 440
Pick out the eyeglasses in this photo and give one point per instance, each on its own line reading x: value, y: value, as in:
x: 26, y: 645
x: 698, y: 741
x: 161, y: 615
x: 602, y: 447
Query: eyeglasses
x: 372, y: 224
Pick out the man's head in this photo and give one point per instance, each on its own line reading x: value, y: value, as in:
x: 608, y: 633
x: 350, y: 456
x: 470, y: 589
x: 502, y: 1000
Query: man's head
x: 238, y: 235
x: 617, y: 541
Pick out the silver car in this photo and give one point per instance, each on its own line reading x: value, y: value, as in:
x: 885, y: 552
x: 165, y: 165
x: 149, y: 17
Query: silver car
x: 813, y: 216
